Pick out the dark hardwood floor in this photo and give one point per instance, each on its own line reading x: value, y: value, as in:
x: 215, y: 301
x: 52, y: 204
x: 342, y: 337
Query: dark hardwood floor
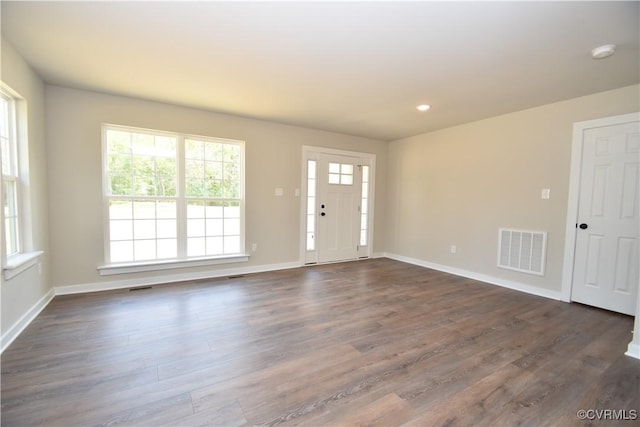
x: 375, y: 342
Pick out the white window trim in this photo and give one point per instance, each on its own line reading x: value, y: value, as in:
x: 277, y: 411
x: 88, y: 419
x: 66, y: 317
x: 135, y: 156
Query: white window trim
x: 19, y: 263
x: 26, y: 257
x: 140, y: 267
x: 173, y: 263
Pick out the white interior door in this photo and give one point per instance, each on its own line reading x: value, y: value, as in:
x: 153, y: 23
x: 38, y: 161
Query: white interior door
x: 606, y: 253
x: 338, y: 207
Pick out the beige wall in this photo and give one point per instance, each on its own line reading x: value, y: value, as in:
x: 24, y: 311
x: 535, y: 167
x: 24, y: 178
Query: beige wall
x: 273, y: 159
x: 457, y: 186
x: 23, y: 291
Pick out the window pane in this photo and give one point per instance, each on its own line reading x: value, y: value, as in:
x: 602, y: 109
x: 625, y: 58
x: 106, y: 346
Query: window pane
x: 195, y: 227
x: 215, y: 246
x: 144, y: 250
x: 10, y: 209
x: 195, y: 187
x: 214, y: 227
x: 119, y: 142
x: 193, y: 169
x: 363, y: 238
x: 196, y: 246
x: 166, y: 209
x: 121, y: 185
x: 9, y: 204
x: 142, y: 143
x: 311, y: 169
x: 213, y: 151
x: 346, y: 169
x: 213, y: 170
x: 11, y: 230
x: 365, y: 173
x: 144, y: 209
x: 334, y: 168
x: 195, y: 210
x: 364, y: 204
x: 334, y: 178
x: 119, y: 209
x: 4, y: 118
x: 167, y: 248
x: 231, y: 189
x: 166, y: 228
x: 193, y: 149
x: 311, y: 246
x: 144, y: 229
x: 232, y: 211
x: 165, y: 146
x: 122, y: 251
x: 6, y: 165
x: 346, y: 179
x: 231, y: 153
x: 121, y: 230
x: 231, y: 226
x: 214, y: 210
x: 231, y: 244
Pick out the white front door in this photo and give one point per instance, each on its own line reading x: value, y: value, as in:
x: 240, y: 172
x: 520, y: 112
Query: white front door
x: 338, y: 207
x: 606, y: 253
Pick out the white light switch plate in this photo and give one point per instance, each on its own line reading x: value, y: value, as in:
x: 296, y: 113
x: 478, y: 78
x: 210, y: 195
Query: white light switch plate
x: 546, y: 193
x: 279, y: 191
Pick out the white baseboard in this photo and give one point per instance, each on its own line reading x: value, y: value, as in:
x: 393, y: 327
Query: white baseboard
x: 159, y: 280
x: 556, y: 295
x: 633, y: 350
x: 16, y: 329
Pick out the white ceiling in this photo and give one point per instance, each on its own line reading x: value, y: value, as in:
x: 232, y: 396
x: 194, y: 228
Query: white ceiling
x: 358, y: 68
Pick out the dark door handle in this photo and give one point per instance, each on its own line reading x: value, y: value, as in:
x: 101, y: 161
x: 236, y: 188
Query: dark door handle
x: 583, y: 226
x: 322, y: 214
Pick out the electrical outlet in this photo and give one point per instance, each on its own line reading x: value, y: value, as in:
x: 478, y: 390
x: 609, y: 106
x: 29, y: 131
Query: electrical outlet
x: 254, y: 247
x: 454, y: 249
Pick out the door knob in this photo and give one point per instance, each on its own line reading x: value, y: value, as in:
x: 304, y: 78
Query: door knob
x: 322, y: 214
x: 583, y: 226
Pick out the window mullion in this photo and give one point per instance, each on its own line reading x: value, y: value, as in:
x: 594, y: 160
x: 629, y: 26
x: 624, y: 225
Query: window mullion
x: 181, y: 204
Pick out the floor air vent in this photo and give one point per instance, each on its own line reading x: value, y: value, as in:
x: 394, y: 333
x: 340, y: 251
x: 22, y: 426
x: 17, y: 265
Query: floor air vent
x: 522, y: 250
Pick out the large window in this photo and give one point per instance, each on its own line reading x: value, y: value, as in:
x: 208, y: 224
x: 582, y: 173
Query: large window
x: 171, y: 196
x: 10, y: 176
x: 17, y: 246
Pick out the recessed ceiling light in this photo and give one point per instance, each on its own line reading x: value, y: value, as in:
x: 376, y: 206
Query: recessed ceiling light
x: 423, y: 107
x: 603, y: 51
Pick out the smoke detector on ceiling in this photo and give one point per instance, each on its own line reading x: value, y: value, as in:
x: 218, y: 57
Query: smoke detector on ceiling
x: 604, y: 51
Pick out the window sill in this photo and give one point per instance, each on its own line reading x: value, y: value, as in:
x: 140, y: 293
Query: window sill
x: 19, y: 263
x: 139, y: 267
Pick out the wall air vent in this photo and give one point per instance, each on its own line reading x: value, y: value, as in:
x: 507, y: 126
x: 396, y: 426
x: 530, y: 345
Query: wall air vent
x: 522, y: 250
